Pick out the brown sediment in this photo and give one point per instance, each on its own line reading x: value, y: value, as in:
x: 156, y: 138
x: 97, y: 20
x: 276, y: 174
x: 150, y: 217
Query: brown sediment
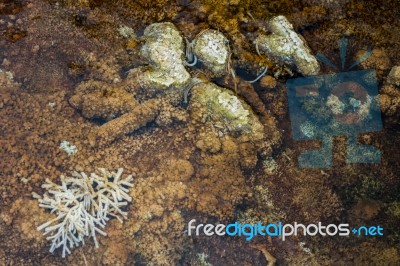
x: 138, y: 117
x: 69, y: 65
x: 97, y: 100
x: 270, y: 259
x: 389, y: 100
x: 251, y: 96
x: 308, y: 16
x: 379, y: 61
x: 268, y: 82
x: 218, y: 184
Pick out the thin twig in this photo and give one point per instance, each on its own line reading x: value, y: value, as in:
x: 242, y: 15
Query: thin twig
x: 186, y: 90
x: 234, y: 79
x: 259, y: 76
x: 258, y: 51
x: 193, y: 63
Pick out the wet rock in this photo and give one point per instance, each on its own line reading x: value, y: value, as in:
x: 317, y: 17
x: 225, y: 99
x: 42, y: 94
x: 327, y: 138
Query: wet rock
x: 211, y: 47
x: 164, y: 49
x: 389, y: 102
x: 224, y: 109
x: 285, y: 45
x: 394, y: 76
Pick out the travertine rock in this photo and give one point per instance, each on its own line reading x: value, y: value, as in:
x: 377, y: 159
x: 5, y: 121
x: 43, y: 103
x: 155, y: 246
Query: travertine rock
x: 164, y: 49
x: 394, y: 76
x: 287, y: 46
x: 224, y: 108
x: 211, y: 47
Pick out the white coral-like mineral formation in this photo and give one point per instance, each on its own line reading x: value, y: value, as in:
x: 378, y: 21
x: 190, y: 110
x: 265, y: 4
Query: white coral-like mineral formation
x: 83, y: 205
x: 287, y: 46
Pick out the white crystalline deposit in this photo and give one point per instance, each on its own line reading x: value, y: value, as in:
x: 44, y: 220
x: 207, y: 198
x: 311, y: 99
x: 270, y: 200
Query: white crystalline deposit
x: 232, y: 105
x: 270, y: 166
x: 286, y: 45
x: 68, y: 147
x: 308, y: 129
x: 127, y: 32
x: 82, y: 205
x: 164, y: 49
x: 6, y: 78
x: 211, y: 47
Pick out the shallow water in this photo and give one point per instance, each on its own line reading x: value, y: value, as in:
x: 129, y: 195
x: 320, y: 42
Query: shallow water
x: 73, y: 73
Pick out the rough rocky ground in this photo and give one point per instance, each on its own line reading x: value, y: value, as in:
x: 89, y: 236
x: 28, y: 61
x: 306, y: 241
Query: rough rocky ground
x: 182, y: 169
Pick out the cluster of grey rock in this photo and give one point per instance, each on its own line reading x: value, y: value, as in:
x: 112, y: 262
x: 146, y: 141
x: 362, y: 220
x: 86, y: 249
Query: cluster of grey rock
x: 164, y: 49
